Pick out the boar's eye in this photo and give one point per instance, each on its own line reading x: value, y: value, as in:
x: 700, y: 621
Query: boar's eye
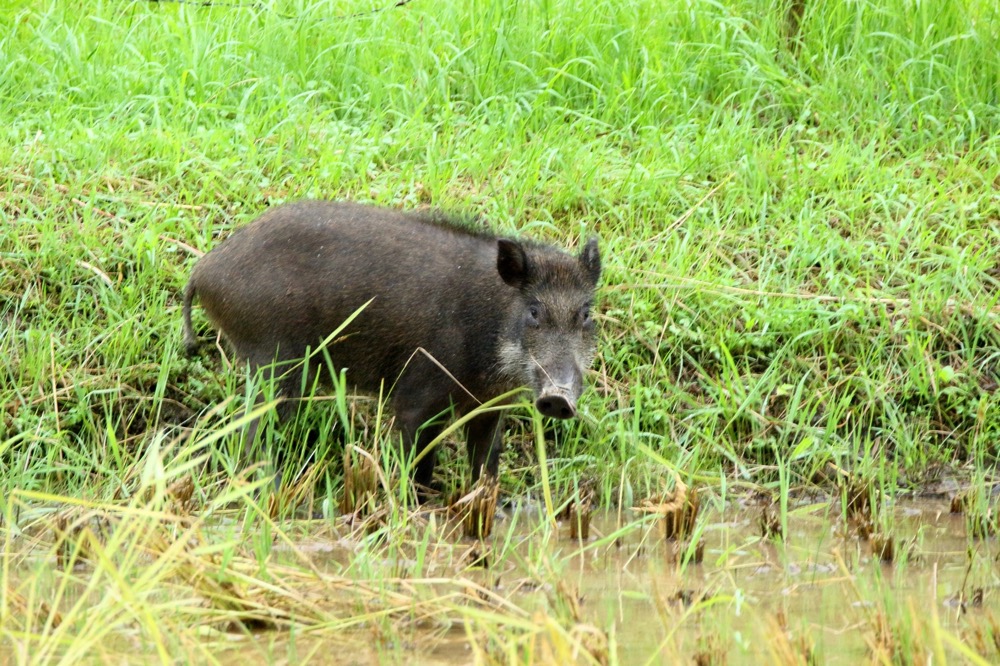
x: 534, y: 312
x: 585, y: 319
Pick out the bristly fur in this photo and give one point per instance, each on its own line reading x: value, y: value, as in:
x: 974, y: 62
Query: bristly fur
x: 471, y: 224
x: 475, y: 225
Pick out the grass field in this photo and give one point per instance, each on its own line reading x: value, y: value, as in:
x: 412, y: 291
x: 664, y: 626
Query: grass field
x: 799, y: 212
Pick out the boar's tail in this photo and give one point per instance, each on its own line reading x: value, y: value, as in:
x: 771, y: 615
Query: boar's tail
x: 190, y: 341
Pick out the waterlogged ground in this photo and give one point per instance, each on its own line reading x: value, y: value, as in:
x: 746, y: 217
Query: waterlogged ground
x: 823, y: 588
x: 189, y: 573
x: 819, y: 584
x: 339, y: 593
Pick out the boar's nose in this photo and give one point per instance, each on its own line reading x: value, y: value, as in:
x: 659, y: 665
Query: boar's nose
x: 555, y: 405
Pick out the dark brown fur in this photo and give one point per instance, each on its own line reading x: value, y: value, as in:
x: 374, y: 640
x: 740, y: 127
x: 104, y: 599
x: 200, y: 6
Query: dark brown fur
x: 496, y: 313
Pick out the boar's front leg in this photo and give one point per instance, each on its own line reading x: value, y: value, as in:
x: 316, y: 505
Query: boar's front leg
x: 484, y: 436
x: 417, y: 435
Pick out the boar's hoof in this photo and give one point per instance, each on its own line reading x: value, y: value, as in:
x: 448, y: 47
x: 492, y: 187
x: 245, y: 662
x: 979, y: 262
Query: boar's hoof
x: 556, y: 406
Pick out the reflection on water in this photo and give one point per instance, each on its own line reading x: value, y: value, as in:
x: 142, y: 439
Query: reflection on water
x: 822, y: 582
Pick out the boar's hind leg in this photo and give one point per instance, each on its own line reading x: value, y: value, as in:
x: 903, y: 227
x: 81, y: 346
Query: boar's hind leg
x: 484, y: 437
x: 288, y: 387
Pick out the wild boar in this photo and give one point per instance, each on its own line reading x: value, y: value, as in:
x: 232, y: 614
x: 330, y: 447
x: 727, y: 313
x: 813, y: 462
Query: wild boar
x: 455, y: 316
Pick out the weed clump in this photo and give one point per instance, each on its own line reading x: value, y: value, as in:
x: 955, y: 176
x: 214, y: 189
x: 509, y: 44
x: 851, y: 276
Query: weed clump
x: 974, y: 503
x: 578, y: 511
x: 360, y: 481
x: 478, y: 507
x: 678, y: 507
x: 769, y: 521
x: 883, y: 546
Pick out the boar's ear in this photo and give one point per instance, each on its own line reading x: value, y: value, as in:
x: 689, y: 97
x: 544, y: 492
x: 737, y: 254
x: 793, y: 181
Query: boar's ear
x: 512, y: 263
x: 590, y: 260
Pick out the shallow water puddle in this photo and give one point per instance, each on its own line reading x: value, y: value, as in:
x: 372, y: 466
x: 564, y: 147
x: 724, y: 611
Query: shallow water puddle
x: 821, y: 585
x: 751, y: 600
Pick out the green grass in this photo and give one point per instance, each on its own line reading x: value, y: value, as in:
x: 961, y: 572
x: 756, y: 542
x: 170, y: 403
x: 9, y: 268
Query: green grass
x: 799, y: 237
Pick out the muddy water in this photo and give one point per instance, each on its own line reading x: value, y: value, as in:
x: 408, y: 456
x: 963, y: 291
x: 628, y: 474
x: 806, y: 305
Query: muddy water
x: 821, y: 586
x: 822, y: 582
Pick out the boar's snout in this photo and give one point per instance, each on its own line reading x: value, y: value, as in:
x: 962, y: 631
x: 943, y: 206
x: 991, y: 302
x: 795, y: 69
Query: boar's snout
x: 558, y: 389
x: 558, y: 405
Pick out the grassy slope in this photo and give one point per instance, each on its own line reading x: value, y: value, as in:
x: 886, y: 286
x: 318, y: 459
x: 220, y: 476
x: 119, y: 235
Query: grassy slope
x: 799, y: 248
x: 800, y: 243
